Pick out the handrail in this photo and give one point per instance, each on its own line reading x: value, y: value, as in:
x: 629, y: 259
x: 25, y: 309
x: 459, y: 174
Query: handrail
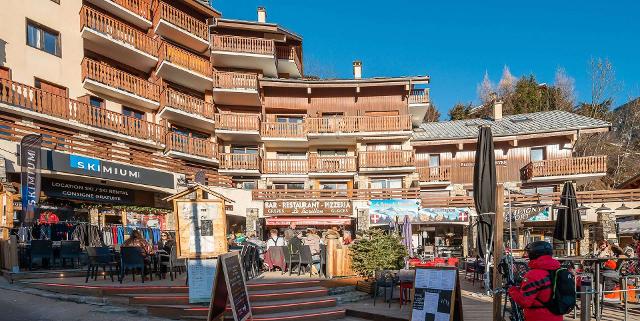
x: 190, y: 104
x: 182, y: 20
x: 331, y: 164
x: 419, y: 96
x: 285, y: 130
x: 50, y: 104
x: 435, y: 173
x: 185, y: 59
x: 139, y: 7
x: 117, y: 78
x: 191, y: 145
x: 290, y: 53
x: 289, y: 166
x: 386, y: 158
x: 237, y: 121
x: 239, y: 161
x: 565, y: 166
x: 353, y: 124
x: 117, y: 30
x: 235, y: 80
x: 243, y: 44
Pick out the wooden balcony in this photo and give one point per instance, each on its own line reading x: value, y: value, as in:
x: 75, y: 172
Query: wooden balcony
x: 117, y: 40
x: 117, y: 83
x: 387, y: 158
x: 70, y: 111
x: 136, y: 12
x: 180, y: 27
x: 291, y: 60
x: 203, y: 148
x: 237, y: 122
x: 285, y: 166
x: 575, y: 166
x: 435, y: 174
x: 238, y: 44
x: 235, y: 80
x: 211, y: 178
x: 358, y: 124
x: 187, y: 103
x: 183, y: 67
x: 283, y: 130
x: 361, y: 194
x: 331, y: 164
x: 233, y: 161
x: 419, y: 96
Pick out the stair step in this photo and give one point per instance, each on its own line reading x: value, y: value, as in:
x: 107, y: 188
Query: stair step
x: 323, y: 314
x: 280, y: 284
x: 259, y: 308
x: 254, y: 296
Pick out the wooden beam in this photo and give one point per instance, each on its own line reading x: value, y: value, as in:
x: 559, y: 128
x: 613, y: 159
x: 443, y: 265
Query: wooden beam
x: 514, y: 142
x: 498, y: 230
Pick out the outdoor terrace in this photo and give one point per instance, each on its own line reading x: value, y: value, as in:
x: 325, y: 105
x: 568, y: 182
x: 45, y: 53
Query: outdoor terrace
x: 574, y: 166
x: 329, y: 165
x: 136, y: 12
x: 245, y: 52
x: 419, y: 96
x: 290, y: 60
x: 184, y: 68
x: 386, y: 158
x: 235, y: 88
x: 285, y: 166
x: 235, y: 161
x: 186, y: 109
x: 435, y: 174
x: 357, y: 124
x: 191, y: 148
x: 180, y: 27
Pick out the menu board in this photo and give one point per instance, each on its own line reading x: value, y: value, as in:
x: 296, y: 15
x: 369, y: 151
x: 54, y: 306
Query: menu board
x: 230, y: 284
x: 437, y: 295
x: 201, y: 275
x: 201, y: 228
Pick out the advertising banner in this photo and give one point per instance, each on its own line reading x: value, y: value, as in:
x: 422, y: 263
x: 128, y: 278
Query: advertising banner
x: 308, y: 207
x: 87, y: 192
x: 30, y: 148
x: 530, y: 213
x: 443, y: 215
x: 384, y: 212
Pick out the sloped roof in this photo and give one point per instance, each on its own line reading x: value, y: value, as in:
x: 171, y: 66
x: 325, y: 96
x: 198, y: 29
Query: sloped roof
x: 532, y: 123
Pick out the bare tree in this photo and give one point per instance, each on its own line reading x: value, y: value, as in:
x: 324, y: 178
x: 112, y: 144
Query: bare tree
x: 432, y: 114
x: 564, y: 90
x: 507, y: 84
x: 485, y: 89
x: 604, y: 87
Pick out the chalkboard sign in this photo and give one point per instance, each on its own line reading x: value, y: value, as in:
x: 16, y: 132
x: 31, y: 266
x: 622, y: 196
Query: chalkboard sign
x: 437, y: 295
x: 229, y: 284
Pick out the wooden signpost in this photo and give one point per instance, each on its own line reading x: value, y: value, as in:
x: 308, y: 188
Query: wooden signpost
x: 437, y: 295
x: 229, y: 285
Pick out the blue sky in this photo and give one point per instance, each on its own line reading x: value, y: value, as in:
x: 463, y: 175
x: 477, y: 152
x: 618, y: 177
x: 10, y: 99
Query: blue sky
x: 455, y: 42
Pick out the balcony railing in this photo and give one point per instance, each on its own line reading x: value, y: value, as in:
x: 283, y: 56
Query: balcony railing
x: 184, y: 59
x: 565, y: 166
x: 139, y: 7
x: 239, y: 161
x: 363, y: 194
x: 285, y: 166
x: 182, y: 20
x: 419, y: 96
x: 117, y: 30
x: 285, y: 130
x: 40, y: 101
x: 242, y: 44
x: 387, y: 158
x: 237, y: 122
x: 119, y: 79
x: 235, y: 80
x: 331, y: 164
x: 187, y: 103
x: 211, y: 178
x: 191, y: 145
x: 435, y: 174
x: 290, y: 53
x: 353, y: 124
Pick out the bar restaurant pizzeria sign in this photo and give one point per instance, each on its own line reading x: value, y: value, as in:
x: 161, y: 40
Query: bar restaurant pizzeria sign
x: 308, y: 207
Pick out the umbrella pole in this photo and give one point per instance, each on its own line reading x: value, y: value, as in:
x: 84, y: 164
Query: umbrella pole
x: 498, y: 250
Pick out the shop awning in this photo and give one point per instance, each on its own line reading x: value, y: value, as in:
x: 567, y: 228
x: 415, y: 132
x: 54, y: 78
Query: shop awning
x: 307, y: 221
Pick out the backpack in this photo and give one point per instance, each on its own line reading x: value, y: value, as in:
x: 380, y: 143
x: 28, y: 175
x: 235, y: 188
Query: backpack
x: 563, y: 287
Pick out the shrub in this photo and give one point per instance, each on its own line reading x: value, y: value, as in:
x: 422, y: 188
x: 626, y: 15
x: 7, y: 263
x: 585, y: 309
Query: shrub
x: 377, y: 250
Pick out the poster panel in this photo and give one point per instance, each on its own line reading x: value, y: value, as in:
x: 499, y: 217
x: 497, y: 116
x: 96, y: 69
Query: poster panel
x: 384, y: 212
x: 201, y: 228
x: 201, y: 275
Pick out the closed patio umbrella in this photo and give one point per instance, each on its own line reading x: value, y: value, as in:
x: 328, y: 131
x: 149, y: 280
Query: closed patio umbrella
x: 484, y: 188
x: 407, y: 234
x: 568, y: 223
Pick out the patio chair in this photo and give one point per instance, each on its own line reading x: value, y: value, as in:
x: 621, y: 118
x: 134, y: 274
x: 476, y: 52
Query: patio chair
x: 70, y: 250
x: 385, y: 280
x: 323, y: 260
x: 41, y: 250
x: 132, y: 259
x: 294, y: 254
x: 306, y: 259
x: 287, y: 258
x: 171, y: 262
x: 100, y: 257
x: 405, y: 278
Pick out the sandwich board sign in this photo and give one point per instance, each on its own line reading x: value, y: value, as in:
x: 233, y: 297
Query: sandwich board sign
x: 229, y: 285
x: 437, y: 295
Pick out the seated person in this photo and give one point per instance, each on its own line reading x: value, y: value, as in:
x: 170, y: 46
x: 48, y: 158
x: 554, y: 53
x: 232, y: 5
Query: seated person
x: 274, y: 239
x: 136, y: 240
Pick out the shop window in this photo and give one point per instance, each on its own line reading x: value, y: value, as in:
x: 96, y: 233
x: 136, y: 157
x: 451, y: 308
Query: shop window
x: 537, y: 154
x: 50, y: 87
x: 382, y: 183
x: 43, y: 38
x: 286, y: 186
x: 244, y: 149
x: 332, y: 152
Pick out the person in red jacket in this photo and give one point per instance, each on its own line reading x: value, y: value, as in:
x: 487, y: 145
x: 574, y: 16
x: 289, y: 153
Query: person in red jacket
x: 536, y: 288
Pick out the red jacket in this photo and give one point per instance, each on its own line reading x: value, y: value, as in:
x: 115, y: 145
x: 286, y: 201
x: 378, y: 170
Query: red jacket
x: 535, y: 289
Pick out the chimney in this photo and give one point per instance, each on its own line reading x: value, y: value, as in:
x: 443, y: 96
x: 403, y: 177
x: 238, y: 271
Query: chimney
x: 357, y: 69
x: 262, y: 15
x: 497, y: 109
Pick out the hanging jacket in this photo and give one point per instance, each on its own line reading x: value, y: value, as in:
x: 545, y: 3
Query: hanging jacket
x: 536, y: 289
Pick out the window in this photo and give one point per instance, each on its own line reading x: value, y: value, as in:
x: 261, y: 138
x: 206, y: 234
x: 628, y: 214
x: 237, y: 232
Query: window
x: 43, y: 38
x: 332, y: 114
x: 434, y: 160
x: 244, y: 149
x: 537, y: 154
x: 332, y: 152
x: 333, y: 186
x: 383, y: 147
x: 246, y: 185
x: 288, y: 185
x: 380, y: 183
x: 289, y: 119
x: 96, y: 102
x: 50, y: 87
x: 291, y: 155
x: 127, y: 111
